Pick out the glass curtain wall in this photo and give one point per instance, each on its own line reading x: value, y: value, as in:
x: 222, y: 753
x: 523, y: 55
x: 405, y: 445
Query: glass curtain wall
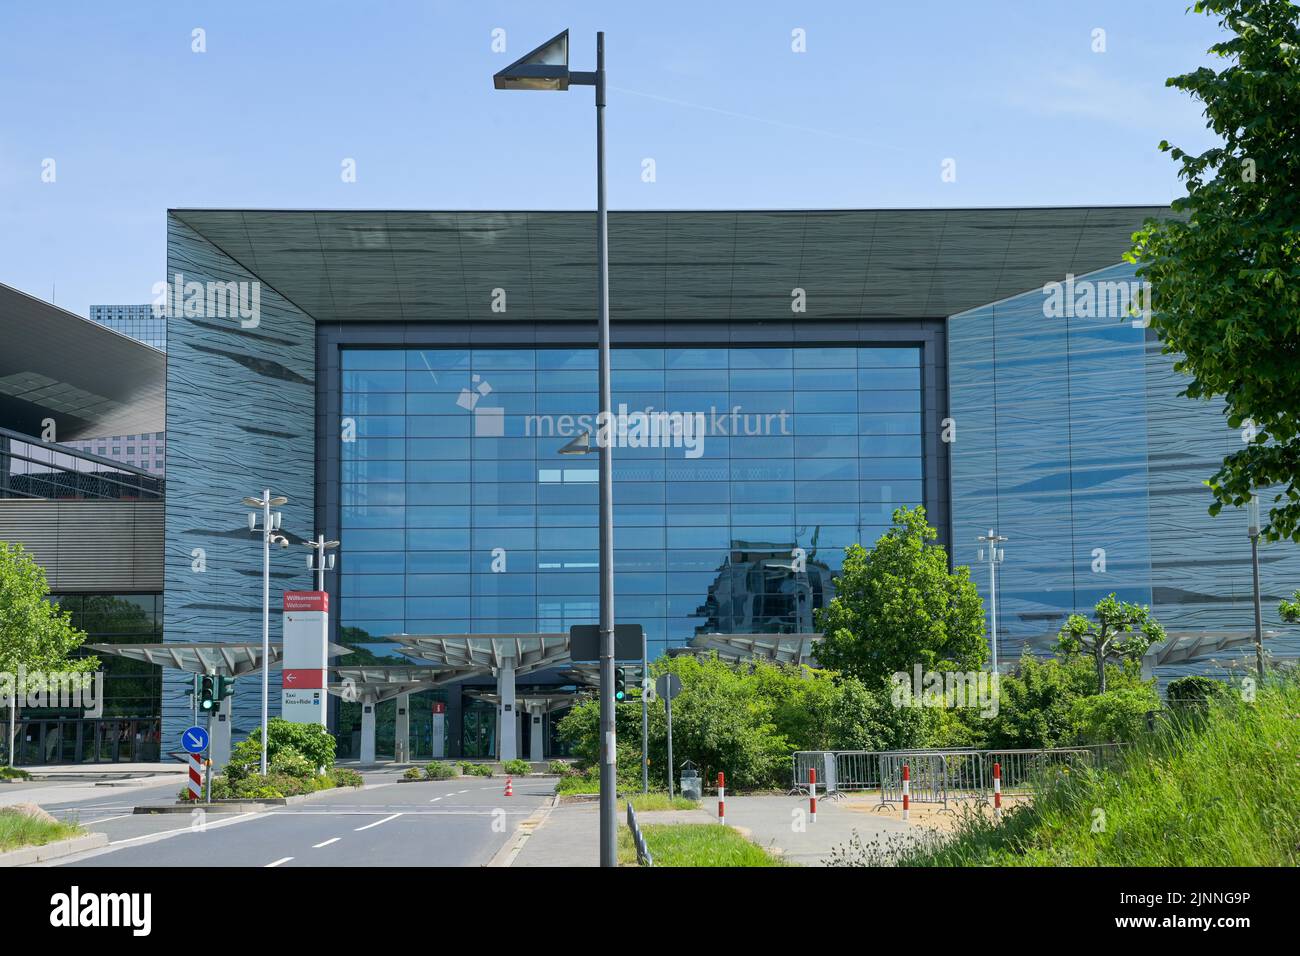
x: 460, y: 515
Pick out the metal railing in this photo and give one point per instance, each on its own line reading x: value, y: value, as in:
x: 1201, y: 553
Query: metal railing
x: 942, y: 776
x: 643, y: 857
x: 32, y: 468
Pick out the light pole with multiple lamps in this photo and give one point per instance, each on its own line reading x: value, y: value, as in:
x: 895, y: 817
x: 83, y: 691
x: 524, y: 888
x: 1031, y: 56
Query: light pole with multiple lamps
x: 318, y: 560
x: 547, y: 68
x: 1252, y: 529
x: 993, y: 553
x: 270, y: 535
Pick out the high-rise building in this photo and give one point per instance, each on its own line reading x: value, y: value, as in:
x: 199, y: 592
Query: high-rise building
x: 147, y: 450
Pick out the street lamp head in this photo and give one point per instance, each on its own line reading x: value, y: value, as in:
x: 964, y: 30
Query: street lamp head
x: 546, y: 68
x: 279, y: 500
x: 1252, y: 516
x: 254, y: 502
x: 579, y: 445
x: 252, y: 521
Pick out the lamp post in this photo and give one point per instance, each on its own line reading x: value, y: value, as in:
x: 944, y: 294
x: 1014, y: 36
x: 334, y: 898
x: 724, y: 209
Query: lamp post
x: 995, y: 554
x: 318, y: 561
x: 1252, y: 529
x: 547, y: 68
x: 270, y: 527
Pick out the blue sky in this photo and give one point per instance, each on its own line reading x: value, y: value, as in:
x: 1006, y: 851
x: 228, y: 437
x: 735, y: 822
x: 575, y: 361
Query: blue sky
x: 712, y: 92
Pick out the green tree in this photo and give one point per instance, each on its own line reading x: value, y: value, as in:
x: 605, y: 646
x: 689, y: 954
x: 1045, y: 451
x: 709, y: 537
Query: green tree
x: 34, y: 634
x: 1039, y: 704
x: 1223, y: 276
x: 1121, y: 631
x: 1290, y: 610
x: 898, y: 605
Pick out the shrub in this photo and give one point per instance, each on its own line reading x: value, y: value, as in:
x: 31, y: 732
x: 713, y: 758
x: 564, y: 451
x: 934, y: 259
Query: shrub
x: 1117, y: 716
x: 346, y: 777
x: 517, y: 768
x: 413, y: 773
x: 1194, y: 689
x: 310, y: 741
x: 438, y: 770
x: 476, y: 770
x: 292, y: 764
x: 561, y: 768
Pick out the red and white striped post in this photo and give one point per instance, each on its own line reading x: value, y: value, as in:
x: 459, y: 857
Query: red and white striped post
x: 997, y: 791
x: 722, y: 798
x: 196, y: 777
x: 907, y: 790
x: 812, y: 794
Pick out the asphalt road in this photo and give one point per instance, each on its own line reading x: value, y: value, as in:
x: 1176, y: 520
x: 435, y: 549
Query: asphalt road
x: 446, y: 823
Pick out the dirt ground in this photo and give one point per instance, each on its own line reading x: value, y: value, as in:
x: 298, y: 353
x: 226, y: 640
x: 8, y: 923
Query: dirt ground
x: 931, y: 815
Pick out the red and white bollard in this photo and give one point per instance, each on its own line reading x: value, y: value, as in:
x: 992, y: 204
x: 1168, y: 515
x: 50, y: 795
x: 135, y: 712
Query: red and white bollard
x: 722, y: 799
x: 196, y: 777
x: 812, y: 794
x: 907, y: 790
x: 510, y: 790
x: 997, y: 791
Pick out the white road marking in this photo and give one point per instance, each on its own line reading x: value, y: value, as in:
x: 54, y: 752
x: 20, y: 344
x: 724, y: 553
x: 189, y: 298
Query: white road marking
x: 377, y: 823
x: 326, y: 843
x: 435, y: 799
x: 278, y: 862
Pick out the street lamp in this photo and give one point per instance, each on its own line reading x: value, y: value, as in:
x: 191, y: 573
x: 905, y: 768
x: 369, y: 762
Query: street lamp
x: 1252, y: 529
x: 270, y: 527
x: 547, y: 68
x: 991, y: 542
x: 318, y: 561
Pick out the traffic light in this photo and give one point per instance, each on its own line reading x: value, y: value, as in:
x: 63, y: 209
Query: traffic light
x: 207, y: 692
x: 620, y: 685
x: 225, y: 687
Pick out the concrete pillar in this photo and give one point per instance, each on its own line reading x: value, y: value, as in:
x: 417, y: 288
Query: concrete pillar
x: 506, y: 710
x: 368, y: 707
x: 402, y: 730
x: 535, y: 736
x: 219, y: 736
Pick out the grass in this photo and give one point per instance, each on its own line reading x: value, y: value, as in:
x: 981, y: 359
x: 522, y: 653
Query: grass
x: 694, y: 844
x: 1216, y: 789
x: 19, y: 830
x: 657, y: 801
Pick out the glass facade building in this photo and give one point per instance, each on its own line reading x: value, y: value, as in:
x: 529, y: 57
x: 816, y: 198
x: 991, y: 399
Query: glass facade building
x: 459, y: 514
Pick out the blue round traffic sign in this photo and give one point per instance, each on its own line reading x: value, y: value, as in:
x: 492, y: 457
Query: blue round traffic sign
x: 195, y: 740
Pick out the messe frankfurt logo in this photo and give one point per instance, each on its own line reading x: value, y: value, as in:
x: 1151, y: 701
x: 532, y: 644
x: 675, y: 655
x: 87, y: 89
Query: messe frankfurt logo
x: 489, y: 422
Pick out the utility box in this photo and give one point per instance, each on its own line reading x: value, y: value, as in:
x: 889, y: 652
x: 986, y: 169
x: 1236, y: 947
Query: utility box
x: 692, y: 784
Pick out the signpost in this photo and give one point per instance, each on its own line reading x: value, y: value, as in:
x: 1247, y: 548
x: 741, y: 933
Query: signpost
x: 195, y: 741
x: 669, y: 686
x: 306, y: 639
x: 584, y: 642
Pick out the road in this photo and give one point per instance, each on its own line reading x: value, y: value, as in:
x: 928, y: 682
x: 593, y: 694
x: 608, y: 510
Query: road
x: 461, y: 822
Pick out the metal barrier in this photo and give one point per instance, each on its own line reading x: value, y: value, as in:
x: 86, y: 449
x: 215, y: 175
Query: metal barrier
x: 857, y: 770
x: 837, y: 771
x: 643, y: 857
x: 1025, y: 770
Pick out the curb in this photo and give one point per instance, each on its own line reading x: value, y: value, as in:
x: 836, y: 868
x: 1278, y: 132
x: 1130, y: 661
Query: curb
x: 507, y: 854
x: 52, y: 851
x: 238, y: 806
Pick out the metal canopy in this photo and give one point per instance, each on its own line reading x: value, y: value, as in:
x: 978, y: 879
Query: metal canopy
x: 215, y: 657
x: 864, y: 264
x: 1180, y: 647
x: 96, y: 382
x: 782, y: 648
x: 384, y: 682
x: 485, y: 652
x: 547, y: 703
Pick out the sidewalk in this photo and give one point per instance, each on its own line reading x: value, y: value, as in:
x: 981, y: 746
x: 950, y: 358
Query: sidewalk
x: 568, y: 834
x: 775, y: 823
